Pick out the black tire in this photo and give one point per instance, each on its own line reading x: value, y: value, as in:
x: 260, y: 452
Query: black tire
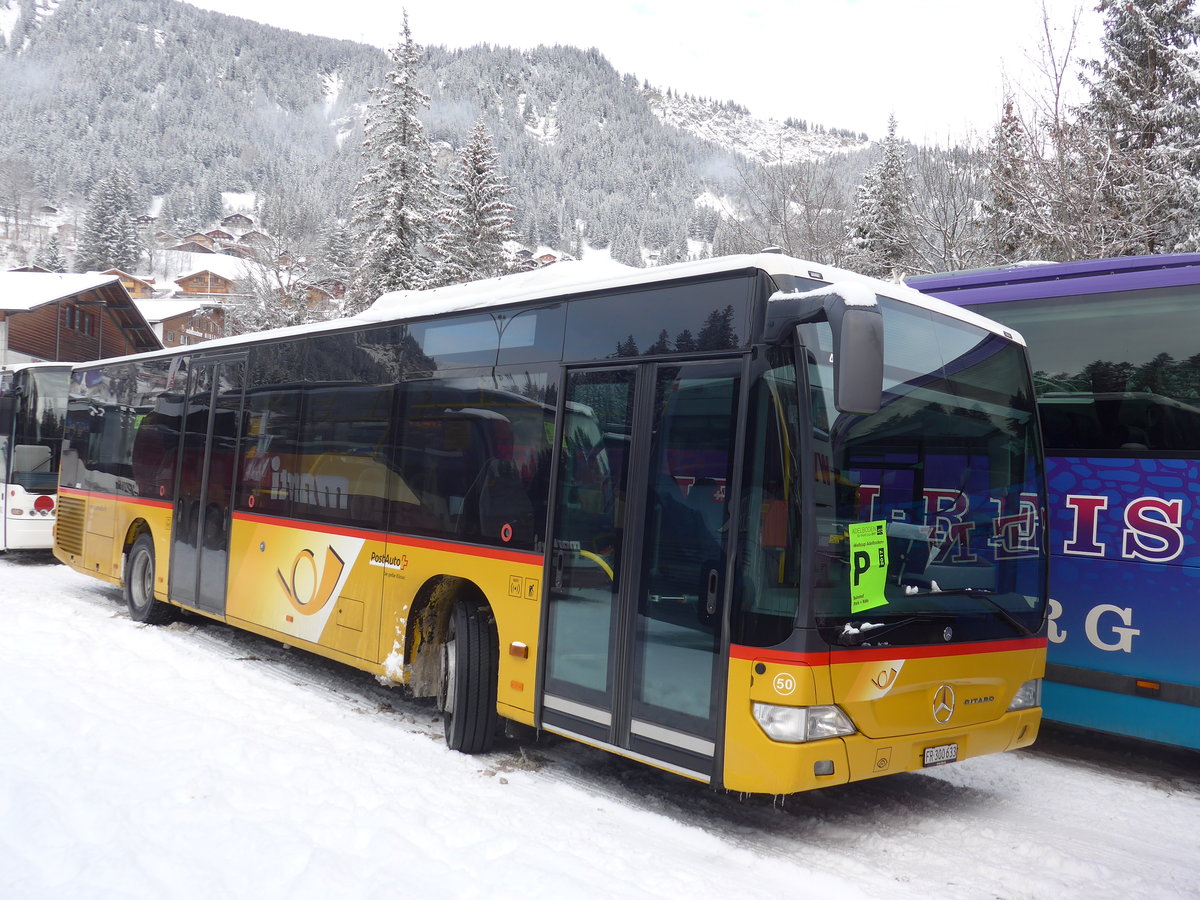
x: 139, y: 585
x: 467, y: 690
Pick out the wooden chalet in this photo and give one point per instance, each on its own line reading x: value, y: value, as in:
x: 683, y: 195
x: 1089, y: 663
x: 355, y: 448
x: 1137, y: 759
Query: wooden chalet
x: 206, y: 282
x: 238, y: 221
x: 193, y: 247
x: 138, y: 288
x: 70, y: 318
x: 217, y: 236
x: 179, y: 323
x: 200, y: 238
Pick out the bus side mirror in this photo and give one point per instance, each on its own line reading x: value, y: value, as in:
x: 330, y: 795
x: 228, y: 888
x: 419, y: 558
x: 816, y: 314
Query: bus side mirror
x: 853, y: 313
x: 857, y: 324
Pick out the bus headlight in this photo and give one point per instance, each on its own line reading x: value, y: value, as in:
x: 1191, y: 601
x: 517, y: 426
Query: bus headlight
x: 797, y: 724
x: 1028, y: 696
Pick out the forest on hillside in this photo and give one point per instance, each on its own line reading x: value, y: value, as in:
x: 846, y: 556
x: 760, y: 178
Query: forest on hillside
x: 188, y: 105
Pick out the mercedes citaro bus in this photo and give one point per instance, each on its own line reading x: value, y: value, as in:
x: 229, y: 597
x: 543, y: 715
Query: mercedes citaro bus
x: 752, y: 520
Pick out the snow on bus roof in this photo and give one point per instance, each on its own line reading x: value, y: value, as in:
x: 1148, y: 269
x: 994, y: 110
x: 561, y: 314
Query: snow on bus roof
x: 570, y: 277
x: 566, y: 278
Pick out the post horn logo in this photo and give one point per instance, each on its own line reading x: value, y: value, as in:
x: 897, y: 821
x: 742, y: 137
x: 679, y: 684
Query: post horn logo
x: 308, y: 592
x: 943, y: 704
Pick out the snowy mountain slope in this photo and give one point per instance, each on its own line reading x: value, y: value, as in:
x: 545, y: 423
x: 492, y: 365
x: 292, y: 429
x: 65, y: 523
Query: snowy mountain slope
x: 763, y: 140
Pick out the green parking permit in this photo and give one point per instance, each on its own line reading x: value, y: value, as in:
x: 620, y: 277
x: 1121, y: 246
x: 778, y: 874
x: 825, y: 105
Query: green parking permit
x: 868, y: 565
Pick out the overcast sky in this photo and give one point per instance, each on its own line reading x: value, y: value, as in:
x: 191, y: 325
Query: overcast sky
x: 938, y: 65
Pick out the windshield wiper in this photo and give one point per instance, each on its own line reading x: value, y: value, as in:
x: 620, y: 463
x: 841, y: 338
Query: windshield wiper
x: 852, y: 635
x: 981, y: 594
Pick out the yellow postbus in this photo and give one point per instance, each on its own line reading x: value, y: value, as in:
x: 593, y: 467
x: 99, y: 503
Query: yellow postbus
x: 752, y: 520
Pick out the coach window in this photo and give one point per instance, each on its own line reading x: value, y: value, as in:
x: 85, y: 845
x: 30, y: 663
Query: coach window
x: 342, y: 465
x: 1115, y: 373
x: 454, y: 342
x: 686, y: 318
x: 532, y: 335
x: 474, y: 453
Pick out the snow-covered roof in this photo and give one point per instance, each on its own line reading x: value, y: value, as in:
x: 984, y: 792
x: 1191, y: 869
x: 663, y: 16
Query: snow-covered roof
x: 22, y: 291
x: 161, y: 310
x: 232, y: 267
x: 566, y: 278
x: 569, y: 278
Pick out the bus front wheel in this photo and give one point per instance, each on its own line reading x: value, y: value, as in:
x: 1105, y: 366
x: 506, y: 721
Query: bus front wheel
x: 467, y: 683
x: 139, y: 585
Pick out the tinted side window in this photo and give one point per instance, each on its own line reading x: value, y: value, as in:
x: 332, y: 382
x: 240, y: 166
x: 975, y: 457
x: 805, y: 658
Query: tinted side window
x: 706, y: 315
x: 1115, y: 372
x: 341, y: 465
x: 104, y: 409
x: 473, y: 453
x: 269, y: 464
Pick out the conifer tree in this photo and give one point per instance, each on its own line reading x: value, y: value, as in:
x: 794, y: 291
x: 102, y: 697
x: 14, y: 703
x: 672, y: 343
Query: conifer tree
x: 51, y: 256
x: 881, y: 227
x: 395, y: 202
x: 1145, y: 100
x: 109, y: 237
x: 477, y: 218
x: 1005, y: 213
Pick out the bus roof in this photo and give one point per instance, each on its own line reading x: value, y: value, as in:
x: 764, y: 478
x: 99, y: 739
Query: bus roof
x: 564, y: 279
x: 1023, y: 281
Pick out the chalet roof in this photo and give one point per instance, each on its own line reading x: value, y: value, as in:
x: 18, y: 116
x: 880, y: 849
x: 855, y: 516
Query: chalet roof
x: 25, y: 291
x: 235, y: 268
x: 161, y: 310
x: 237, y: 219
x: 149, y: 282
x: 193, y: 247
x: 187, y: 275
x: 218, y: 234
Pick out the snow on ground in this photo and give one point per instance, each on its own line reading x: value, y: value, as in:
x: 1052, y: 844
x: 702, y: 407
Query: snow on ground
x: 197, y: 761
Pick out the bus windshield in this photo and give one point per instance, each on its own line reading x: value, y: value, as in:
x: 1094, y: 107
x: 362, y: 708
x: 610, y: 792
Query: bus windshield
x: 929, y: 513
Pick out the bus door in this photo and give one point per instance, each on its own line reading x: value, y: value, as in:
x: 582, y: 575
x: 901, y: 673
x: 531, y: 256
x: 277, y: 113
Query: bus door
x: 204, y: 484
x: 636, y: 562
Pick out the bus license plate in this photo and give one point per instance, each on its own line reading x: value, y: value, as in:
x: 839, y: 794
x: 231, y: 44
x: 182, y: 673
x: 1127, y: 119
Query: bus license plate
x: 937, y: 756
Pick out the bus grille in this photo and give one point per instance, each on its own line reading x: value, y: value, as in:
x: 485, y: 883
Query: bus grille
x: 68, y: 527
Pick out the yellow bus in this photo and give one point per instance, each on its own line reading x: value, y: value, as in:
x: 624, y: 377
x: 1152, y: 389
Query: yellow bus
x: 762, y: 523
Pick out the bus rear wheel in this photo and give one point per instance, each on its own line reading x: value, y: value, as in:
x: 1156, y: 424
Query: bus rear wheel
x: 139, y: 585
x: 467, y: 682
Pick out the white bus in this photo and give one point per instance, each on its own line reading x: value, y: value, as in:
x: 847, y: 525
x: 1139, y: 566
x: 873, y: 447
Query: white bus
x: 33, y: 402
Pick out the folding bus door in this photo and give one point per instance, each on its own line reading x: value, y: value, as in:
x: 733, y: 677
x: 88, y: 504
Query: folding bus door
x: 205, y: 482
x: 636, y: 563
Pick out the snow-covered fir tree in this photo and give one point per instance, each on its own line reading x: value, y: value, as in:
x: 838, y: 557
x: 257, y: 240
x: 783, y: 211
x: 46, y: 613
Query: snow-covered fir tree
x: 1145, y: 102
x: 477, y: 218
x: 109, y: 236
x: 51, y: 257
x: 396, y: 200
x: 1005, y: 219
x: 880, y: 230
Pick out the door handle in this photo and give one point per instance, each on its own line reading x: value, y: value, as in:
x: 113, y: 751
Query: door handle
x: 556, y: 566
x: 713, y: 588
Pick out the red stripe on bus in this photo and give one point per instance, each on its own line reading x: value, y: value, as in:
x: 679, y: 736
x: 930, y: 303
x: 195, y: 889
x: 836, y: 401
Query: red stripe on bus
x: 518, y: 556
x: 879, y: 654
x: 123, y: 498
